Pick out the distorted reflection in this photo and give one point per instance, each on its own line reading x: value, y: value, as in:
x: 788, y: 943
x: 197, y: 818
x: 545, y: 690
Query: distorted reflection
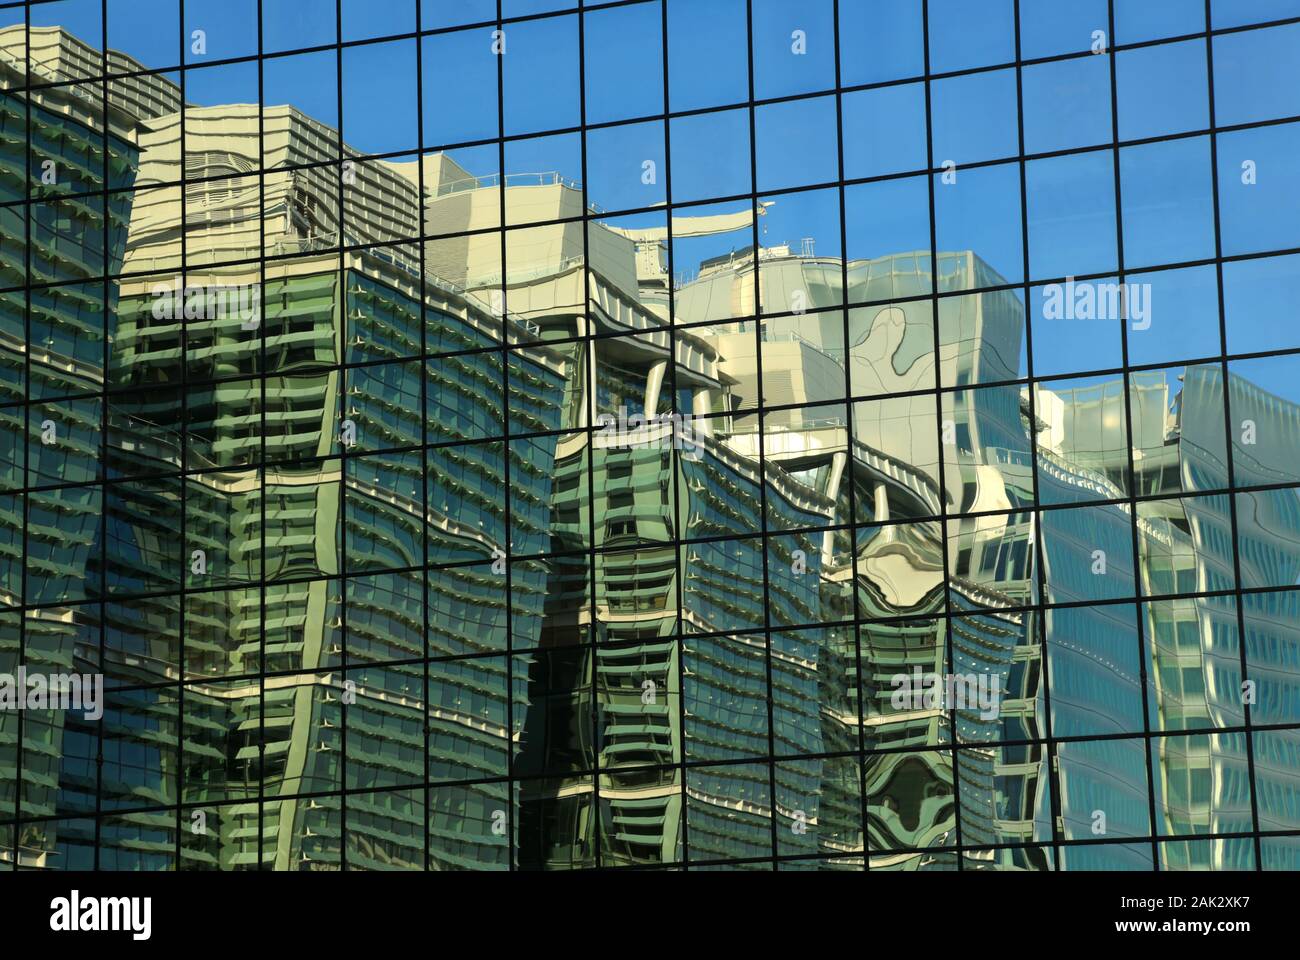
x: 419, y: 513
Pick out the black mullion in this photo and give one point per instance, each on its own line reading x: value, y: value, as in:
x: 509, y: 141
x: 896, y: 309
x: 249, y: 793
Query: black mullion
x: 773, y: 408
x: 722, y: 634
x: 761, y: 421
x: 776, y: 408
x: 184, y: 443
x: 512, y: 841
x: 553, y: 14
x: 342, y: 375
x: 183, y: 590
x: 679, y: 532
x: 593, y: 632
x: 1037, y: 617
x: 803, y: 188
x: 262, y: 472
x: 103, y: 414
x: 424, y: 436
x: 709, y: 764
x: 726, y: 538
x: 1238, y: 596
x: 26, y: 408
x: 705, y: 111
x: 848, y: 476
x: 943, y: 517
x: 1126, y: 379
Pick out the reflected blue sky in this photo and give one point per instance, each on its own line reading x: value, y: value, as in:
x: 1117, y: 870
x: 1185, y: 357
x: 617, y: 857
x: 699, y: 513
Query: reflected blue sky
x: 1070, y: 219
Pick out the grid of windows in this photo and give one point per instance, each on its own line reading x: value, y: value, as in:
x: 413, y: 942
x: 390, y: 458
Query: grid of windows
x: 844, y: 434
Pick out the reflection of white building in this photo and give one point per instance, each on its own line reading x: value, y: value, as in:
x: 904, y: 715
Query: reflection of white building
x: 904, y: 474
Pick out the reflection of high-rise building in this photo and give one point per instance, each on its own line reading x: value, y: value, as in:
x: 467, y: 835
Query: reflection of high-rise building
x: 346, y: 491
x: 63, y: 142
x: 419, y: 515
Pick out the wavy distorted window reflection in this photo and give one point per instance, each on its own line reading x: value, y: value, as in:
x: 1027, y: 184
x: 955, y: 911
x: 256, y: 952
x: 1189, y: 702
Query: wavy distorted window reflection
x: 405, y: 541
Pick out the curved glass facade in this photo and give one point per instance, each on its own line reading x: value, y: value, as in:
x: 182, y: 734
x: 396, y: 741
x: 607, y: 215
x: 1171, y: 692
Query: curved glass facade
x: 852, y: 435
